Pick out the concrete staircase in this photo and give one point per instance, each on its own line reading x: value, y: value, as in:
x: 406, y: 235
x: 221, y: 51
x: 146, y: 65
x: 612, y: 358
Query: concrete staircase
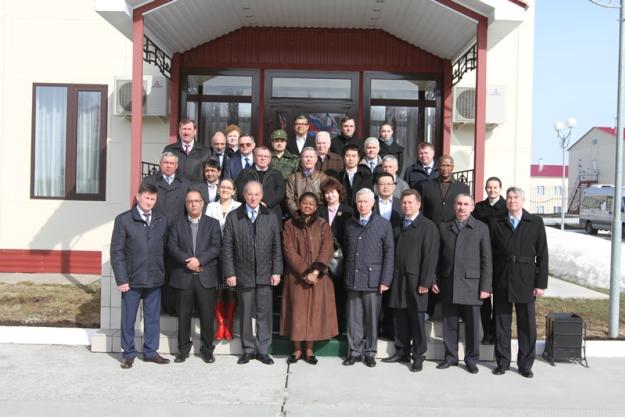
x: 109, y: 341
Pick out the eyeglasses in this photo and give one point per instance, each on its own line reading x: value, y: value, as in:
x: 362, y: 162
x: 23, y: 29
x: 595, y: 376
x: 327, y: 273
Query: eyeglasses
x: 244, y: 145
x: 194, y: 201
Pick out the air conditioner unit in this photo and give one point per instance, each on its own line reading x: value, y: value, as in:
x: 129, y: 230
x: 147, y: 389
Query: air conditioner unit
x: 155, y: 96
x: 464, y: 105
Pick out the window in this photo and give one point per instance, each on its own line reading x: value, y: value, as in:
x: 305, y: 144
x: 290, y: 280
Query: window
x: 557, y: 209
x: 216, y: 100
x: 557, y: 190
x: 540, y: 209
x: 68, y: 159
x: 540, y: 190
x: 410, y: 102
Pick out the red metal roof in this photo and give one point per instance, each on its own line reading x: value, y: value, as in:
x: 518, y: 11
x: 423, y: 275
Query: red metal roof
x: 548, y: 171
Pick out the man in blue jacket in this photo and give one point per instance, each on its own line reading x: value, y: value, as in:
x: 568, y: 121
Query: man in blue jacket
x: 368, y: 248
x: 137, y: 248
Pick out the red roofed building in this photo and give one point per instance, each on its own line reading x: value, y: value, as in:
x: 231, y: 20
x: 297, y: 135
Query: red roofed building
x: 545, y: 194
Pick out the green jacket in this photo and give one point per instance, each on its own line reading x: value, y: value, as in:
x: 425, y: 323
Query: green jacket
x: 287, y: 165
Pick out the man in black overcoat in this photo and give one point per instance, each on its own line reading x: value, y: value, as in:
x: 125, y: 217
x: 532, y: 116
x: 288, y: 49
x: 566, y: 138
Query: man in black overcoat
x: 521, y: 264
x: 416, y: 255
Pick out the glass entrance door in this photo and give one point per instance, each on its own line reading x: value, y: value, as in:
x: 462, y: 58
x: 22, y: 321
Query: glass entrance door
x: 323, y: 97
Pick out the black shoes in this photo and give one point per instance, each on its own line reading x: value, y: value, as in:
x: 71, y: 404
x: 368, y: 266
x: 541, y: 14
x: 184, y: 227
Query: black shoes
x: 245, y: 358
x: 181, y: 357
x: 264, y: 358
x: 369, y: 361
x: 158, y: 359
x: 208, y: 357
x: 127, y: 363
x: 417, y: 366
x: 445, y: 365
x: 397, y: 358
x: 350, y: 360
x: 472, y: 368
x: 527, y: 373
x: 293, y: 359
x: 311, y: 360
x: 500, y: 370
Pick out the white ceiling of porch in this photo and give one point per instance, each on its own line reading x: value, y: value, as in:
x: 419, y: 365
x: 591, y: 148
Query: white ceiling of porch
x: 185, y: 24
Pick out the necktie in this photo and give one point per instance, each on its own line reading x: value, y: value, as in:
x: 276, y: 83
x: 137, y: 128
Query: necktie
x: 253, y: 215
x: 247, y: 163
x: 146, y: 214
x: 515, y: 222
x: 186, y: 149
x: 407, y: 223
x: 169, y: 180
x: 306, y: 173
x: 371, y: 165
x: 427, y: 170
x: 363, y: 222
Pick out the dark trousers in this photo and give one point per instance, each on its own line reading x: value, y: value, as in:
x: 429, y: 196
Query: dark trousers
x: 409, y: 326
x: 487, y: 315
x: 256, y: 303
x: 187, y: 299
x: 526, y: 332
x: 471, y: 317
x: 151, y: 321
x: 363, y: 311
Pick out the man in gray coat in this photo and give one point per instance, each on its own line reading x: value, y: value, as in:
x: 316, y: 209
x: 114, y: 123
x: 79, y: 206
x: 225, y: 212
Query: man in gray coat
x: 252, y: 262
x: 464, y: 279
x: 368, y: 248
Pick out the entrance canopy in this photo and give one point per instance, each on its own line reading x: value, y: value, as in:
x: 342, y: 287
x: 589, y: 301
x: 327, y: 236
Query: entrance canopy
x: 444, y: 28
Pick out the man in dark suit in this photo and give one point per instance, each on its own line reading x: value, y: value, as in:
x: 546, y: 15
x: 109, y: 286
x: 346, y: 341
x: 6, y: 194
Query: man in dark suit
x: 425, y: 169
x: 191, y: 154
x: 416, y: 255
x: 172, y: 189
x: 438, y: 195
x: 194, y: 243
x: 464, y: 280
x: 252, y: 262
x: 521, y: 263
x: 241, y: 159
x: 368, y: 250
x: 218, y: 150
x: 301, y: 140
x: 347, y: 136
x: 274, y: 188
x: 355, y: 176
x: 210, y: 187
x: 492, y: 207
x: 137, y: 248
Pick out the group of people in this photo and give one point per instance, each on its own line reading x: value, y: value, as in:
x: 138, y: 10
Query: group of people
x: 331, y: 223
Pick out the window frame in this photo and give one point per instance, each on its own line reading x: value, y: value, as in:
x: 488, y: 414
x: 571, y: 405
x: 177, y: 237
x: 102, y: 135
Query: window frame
x: 71, y: 141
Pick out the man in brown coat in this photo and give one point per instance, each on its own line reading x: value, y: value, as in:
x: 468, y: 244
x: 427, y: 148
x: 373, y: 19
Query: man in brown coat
x: 305, y: 179
x: 327, y: 162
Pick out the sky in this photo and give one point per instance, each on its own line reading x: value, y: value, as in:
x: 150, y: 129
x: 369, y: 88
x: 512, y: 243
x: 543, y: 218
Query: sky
x: 575, y: 71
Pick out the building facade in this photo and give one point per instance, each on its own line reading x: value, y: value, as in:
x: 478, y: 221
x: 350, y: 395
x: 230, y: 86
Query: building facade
x: 72, y: 146
x: 545, y: 191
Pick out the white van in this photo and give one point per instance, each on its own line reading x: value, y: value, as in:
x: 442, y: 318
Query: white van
x: 595, y: 210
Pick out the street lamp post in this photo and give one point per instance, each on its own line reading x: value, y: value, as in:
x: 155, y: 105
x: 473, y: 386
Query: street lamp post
x: 564, y: 139
x: 615, y: 253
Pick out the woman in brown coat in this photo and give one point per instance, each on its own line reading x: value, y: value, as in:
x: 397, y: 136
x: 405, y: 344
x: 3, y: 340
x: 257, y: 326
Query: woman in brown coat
x: 308, y: 307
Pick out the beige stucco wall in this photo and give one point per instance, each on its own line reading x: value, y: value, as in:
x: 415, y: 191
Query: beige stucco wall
x: 67, y: 42
x: 508, y: 145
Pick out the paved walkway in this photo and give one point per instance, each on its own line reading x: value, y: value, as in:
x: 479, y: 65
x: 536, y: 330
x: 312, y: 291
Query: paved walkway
x: 71, y: 381
x: 564, y: 289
